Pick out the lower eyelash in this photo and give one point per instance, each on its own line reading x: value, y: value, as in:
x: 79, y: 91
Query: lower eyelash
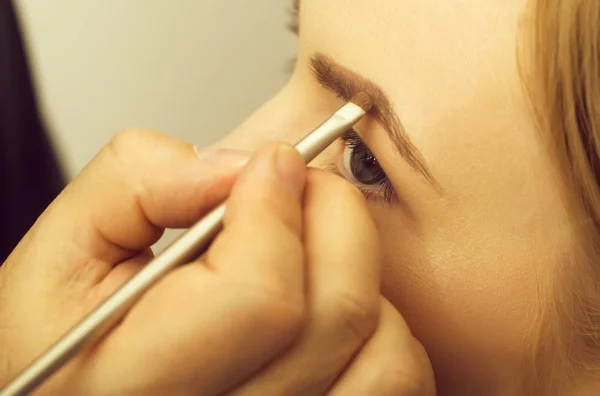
x: 384, y: 193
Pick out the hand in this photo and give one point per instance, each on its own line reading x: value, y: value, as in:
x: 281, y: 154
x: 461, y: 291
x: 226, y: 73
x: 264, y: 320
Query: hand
x: 351, y: 341
x: 277, y: 306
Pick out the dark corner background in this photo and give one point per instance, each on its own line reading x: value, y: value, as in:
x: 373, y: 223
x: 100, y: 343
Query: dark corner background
x: 30, y: 175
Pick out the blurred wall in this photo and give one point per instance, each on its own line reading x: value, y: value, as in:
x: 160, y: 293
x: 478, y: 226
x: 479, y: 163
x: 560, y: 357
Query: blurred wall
x: 191, y: 68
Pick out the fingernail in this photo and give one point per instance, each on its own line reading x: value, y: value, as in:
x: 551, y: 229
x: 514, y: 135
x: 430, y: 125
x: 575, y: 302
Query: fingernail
x: 291, y: 169
x: 223, y: 156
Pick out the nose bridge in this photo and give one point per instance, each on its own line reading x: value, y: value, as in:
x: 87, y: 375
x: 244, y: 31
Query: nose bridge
x: 254, y: 134
x: 251, y: 137
x: 284, y: 118
x: 276, y: 120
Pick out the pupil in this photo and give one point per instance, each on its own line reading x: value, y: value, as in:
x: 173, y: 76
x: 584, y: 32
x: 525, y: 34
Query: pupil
x: 365, y: 167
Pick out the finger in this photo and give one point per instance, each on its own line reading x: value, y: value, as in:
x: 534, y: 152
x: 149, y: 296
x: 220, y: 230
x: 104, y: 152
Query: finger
x: 210, y: 326
x: 261, y: 241
x: 140, y: 183
x: 392, y: 363
x: 343, y: 283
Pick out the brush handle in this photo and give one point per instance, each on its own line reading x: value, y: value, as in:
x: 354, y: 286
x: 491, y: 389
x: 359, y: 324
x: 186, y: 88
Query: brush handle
x: 329, y: 131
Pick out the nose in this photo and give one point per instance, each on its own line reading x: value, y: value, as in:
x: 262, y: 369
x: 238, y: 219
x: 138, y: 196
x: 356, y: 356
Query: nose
x: 276, y: 120
x: 287, y: 117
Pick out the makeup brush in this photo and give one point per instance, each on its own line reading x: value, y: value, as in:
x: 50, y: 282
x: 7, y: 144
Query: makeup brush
x: 186, y: 248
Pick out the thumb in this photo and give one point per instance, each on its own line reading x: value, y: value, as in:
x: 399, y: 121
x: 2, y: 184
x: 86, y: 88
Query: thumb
x: 118, y: 206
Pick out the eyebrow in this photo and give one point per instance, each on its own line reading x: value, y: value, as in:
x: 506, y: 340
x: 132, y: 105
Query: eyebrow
x: 346, y: 84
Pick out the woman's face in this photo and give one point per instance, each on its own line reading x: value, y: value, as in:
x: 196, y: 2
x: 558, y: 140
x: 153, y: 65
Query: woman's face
x: 466, y: 249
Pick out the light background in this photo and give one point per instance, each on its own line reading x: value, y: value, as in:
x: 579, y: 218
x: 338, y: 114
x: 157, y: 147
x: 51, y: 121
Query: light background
x: 191, y: 68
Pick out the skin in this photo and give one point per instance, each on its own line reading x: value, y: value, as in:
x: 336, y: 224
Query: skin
x: 466, y: 267
x: 462, y: 268
x: 251, y: 316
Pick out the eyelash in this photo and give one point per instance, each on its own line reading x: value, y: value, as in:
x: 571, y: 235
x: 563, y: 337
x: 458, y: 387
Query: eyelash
x: 383, y: 190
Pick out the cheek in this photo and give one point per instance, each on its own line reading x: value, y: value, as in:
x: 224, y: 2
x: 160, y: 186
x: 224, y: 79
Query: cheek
x: 470, y: 293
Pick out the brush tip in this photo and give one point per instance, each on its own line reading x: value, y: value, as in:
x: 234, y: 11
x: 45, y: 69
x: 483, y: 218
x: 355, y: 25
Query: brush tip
x: 363, y: 100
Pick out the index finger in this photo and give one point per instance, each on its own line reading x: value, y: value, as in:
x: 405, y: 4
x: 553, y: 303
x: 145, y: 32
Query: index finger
x: 140, y: 183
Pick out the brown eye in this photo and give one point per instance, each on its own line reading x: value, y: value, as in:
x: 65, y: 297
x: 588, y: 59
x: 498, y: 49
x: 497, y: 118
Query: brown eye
x: 362, y: 168
x: 361, y: 164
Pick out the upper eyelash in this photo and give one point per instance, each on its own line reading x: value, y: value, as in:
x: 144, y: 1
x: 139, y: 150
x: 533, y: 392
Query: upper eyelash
x: 384, y: 190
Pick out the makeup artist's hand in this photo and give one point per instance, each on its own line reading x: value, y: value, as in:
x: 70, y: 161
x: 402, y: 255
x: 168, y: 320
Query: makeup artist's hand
x: 286, y: 301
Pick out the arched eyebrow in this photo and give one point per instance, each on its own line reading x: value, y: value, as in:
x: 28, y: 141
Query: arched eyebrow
x: 346, y: 84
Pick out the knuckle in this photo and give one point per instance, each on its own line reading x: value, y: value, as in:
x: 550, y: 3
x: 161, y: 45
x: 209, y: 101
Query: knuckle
x: 131, y: 151
x: 130, y: 139
x: 359, y: 314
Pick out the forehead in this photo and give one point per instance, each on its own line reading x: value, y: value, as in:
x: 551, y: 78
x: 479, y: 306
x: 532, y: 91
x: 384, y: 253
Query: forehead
x: 421, y: 47
x: 418, y: 28
x: 440, y: 62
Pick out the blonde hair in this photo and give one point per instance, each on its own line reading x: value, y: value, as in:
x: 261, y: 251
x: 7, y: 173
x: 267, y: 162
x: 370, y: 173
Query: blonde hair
x: 565, y: 87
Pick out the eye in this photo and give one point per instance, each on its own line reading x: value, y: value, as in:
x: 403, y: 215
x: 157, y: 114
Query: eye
x: 361, y: 164
x: 361, y: 167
